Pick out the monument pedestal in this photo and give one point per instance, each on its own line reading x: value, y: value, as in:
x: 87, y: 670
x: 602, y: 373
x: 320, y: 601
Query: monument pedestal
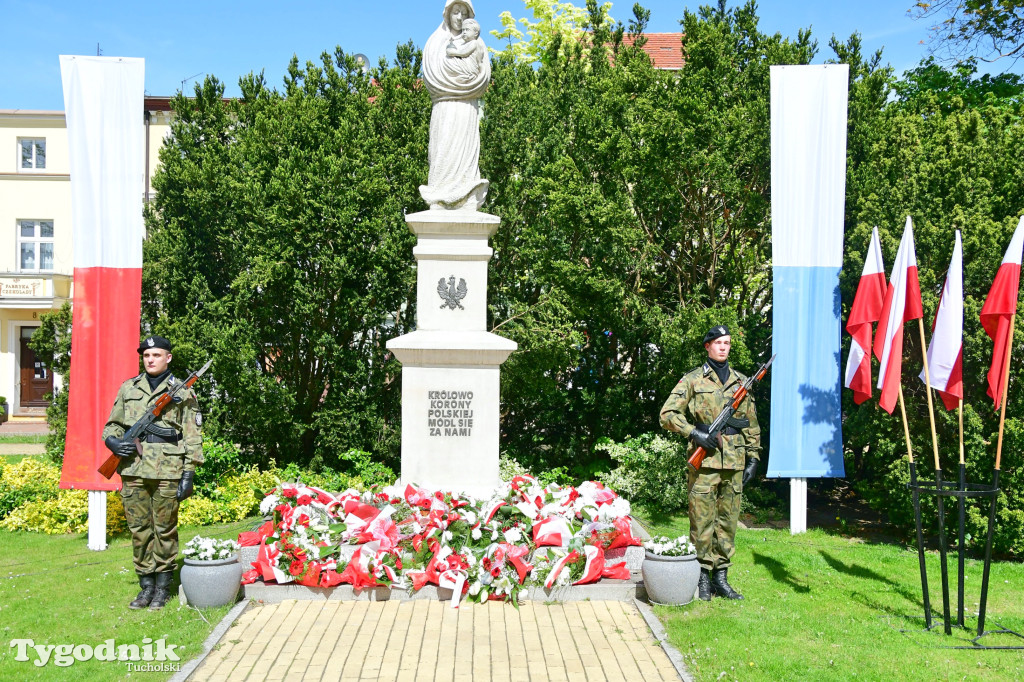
x: 450, y: 365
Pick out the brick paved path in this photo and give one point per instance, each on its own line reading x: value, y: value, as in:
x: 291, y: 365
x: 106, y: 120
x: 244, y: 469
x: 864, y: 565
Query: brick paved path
x: 427, y: 640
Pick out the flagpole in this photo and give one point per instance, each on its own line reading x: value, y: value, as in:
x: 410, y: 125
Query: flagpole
x: 928, y: 391
x: 938, y: 483
x: 995, y: 481
x: 917, y: 516
x: 961, y: 521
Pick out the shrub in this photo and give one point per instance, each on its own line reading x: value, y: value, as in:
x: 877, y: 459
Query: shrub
x: 235, y: 498
x: 69, y: 513
x: 651, y: 471
x: 29, y: 480
x: 509, y: 468
x: 368, y: 468
x: 221, y: 459
x: 198, y: 511
x: 329, y: 479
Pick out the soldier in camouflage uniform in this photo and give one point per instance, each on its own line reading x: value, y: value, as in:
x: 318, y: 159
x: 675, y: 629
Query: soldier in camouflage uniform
x: 156, y: 480
x: 715, y: 490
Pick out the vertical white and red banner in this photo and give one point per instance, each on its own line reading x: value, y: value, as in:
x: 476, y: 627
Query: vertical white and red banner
x: 103, y: 102
x: 902, y: 304
x: 999, y: 308
x: 866, y: 309
x: 946, y: 351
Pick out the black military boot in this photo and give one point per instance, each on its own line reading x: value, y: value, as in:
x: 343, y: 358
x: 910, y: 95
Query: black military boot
x: 704, y: 585
x: 162, y: 593
x: 720, y: 585
x: 148, y: 585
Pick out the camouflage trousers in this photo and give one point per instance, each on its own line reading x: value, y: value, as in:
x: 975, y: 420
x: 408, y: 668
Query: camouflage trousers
x: 151, y: 509
x: 715, y: 496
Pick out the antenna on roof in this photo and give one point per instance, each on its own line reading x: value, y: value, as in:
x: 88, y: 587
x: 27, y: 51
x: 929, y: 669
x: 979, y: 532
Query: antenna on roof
x: 98, y: 50
x: 186, y: 80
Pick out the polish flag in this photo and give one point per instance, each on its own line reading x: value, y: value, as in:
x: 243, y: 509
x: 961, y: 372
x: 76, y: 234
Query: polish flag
x: 867, y: 308
x: 902, y: 304
x: 103, y: 102
x: 946, y: 351
x: 999, y: 309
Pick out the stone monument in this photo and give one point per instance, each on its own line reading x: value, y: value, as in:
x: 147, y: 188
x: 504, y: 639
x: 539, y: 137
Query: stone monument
x: 450, y: 364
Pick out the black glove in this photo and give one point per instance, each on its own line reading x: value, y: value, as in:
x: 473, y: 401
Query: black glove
x: 750, y: 471
x: 700, y: 437
x: 185, y: 485
x: 121, y: 448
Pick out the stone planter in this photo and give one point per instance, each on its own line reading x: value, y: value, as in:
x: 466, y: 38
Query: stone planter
x: 211, y: 583
x: 670, y: 579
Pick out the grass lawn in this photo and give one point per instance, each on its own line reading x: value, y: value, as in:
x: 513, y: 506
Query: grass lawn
x: 54, y: 590
x: 23, y: 438
x: 821, y: 606
x: 14, y: 459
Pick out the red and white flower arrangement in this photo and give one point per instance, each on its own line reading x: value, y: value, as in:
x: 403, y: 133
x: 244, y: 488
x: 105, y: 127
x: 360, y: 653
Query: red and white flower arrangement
x: 521, y: 535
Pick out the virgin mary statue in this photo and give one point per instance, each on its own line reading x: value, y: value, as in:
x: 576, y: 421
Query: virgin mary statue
x: 456, y: 85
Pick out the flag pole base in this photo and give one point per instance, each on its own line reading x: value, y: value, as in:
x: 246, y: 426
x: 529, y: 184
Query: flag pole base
x: 960, y: 490
x: 97, y: 520
x: 797, y: 505
x: 915, y: 489
x: 960, y: 634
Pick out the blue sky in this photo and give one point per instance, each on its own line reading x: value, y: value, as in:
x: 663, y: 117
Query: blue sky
x: 182, y: 39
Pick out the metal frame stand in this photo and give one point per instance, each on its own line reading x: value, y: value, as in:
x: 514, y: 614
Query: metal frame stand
x: 942, y: 489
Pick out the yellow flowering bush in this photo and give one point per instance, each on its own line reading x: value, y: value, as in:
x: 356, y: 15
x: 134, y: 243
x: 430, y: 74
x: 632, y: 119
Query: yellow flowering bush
x: 29, y: 472
x: 69, y: 513
x: 198, y: 511
x: 116, y: 522
x: 236, y: 498
x: 34, y: 503
x: 29, y: 480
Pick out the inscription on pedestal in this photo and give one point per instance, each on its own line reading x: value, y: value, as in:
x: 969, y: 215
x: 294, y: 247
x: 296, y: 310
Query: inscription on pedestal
x: 450, y: 413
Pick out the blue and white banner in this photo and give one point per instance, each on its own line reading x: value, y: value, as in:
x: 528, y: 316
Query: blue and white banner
x: 808, y: 119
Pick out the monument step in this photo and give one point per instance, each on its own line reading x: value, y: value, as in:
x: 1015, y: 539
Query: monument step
x: 603, y: 590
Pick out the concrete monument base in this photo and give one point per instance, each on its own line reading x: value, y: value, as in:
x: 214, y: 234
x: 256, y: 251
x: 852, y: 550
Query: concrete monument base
x: 450, y: 364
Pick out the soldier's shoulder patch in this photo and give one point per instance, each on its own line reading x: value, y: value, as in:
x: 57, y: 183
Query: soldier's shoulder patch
x: 199, y: 419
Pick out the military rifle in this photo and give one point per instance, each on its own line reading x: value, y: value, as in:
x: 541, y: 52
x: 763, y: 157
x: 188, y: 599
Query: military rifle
x: 721, y: 421
x: 145, y: 424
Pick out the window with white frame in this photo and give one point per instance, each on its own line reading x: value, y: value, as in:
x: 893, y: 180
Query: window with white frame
x: 35, y: 245
x: 31, y: 153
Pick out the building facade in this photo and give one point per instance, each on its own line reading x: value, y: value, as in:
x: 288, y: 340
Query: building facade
x: 36, y: 263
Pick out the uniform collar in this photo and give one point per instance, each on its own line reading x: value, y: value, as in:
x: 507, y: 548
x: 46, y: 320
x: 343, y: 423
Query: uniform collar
x: 143, y: 384
x: 712, y: 376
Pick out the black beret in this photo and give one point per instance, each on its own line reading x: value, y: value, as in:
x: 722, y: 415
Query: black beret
x: 154, y: 342
x: 715, y: 332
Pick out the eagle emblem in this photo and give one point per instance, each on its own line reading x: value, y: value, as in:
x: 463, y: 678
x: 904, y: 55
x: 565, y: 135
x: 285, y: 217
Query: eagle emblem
x: 450, y: 294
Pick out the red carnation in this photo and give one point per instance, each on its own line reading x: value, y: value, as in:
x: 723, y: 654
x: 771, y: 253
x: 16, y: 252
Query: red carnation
x: 496, y: 571
x: 296, y: 567
x: 290, y: 492
x: 305, y: 499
